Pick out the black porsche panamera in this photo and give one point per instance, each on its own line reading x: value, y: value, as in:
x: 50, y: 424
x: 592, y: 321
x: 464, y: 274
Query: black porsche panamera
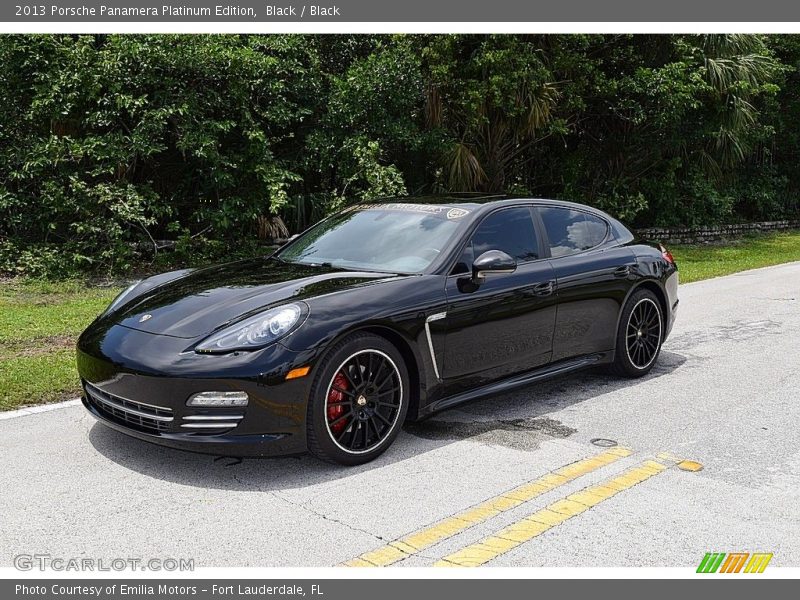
x: 381, y: 313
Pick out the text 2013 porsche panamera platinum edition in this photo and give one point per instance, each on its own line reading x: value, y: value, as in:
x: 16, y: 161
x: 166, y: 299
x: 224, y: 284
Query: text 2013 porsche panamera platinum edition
x: 381, y: 313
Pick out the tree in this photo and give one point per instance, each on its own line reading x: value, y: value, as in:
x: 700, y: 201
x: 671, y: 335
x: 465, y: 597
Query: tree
x: 109, y: 143
x: 494, y: 98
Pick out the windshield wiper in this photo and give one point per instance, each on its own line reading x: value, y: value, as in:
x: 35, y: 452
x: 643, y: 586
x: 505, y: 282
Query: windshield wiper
x: 330, y: 265
x: 323, y: 265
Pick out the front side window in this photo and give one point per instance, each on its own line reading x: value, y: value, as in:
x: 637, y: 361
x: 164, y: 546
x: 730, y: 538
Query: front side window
x: 510, y: 230
x: 571, y: 231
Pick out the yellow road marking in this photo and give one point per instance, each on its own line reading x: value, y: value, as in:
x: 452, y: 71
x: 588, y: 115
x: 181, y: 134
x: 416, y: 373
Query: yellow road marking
x: 690, y: 465
x: 681, y: 463
x: 669, y: 457
x: 542, y: 520
x: 429, y: 536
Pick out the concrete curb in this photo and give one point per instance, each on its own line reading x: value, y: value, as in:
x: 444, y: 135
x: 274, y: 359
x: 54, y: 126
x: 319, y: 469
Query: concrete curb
x: 32, y: 410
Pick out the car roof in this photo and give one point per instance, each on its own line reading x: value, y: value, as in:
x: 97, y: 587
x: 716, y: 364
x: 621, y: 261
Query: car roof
x: 475, y: 200
x: 480, y: 204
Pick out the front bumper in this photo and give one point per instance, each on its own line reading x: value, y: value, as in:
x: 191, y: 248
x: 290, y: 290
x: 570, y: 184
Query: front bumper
x: 138, y: 383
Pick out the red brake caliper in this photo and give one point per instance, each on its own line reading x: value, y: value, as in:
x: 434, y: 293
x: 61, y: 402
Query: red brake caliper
x: 336, y: 403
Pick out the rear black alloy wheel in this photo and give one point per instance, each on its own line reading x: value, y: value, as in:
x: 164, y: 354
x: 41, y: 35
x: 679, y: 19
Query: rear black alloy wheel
x: 641, y: 331
x: 358, y: 400
x: 643, y: 334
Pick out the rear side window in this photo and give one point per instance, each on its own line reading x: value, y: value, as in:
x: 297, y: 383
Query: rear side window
x: 571, y: 231
x: 510, y: 230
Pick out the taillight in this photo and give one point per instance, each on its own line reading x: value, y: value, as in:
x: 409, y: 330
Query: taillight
x: 667, y: 255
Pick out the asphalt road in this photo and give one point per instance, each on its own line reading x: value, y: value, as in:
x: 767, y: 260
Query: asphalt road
x: 726, y: 393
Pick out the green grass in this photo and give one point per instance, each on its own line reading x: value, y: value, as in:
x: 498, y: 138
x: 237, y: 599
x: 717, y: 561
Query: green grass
x: 40, y: 320
x: 39, y: 379
x: 706, y: 261
x: 39, y: 323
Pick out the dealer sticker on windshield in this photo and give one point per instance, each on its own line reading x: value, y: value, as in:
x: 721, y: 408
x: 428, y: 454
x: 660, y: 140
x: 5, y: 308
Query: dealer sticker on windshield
x: 456, y: 213
x: 431, y: 209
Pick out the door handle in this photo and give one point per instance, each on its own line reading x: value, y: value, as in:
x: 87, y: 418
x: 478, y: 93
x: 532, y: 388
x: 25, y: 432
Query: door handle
x: 622, y: 271
x: 544, y: 289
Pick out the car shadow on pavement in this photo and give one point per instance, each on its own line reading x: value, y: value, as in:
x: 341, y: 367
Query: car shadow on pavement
x: 515, y: 419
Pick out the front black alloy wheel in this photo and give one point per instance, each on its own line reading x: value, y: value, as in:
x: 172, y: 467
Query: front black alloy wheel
x: 640, y: 334
x: 358, y: 400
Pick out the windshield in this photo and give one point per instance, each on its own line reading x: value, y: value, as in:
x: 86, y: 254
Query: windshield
x: 397, y: 238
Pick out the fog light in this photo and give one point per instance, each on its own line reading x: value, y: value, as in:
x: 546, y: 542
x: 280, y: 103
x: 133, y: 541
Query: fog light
x: 218, y: 399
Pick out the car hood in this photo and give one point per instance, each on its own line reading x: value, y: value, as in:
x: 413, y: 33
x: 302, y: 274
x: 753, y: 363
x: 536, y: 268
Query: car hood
x: 196, y: 304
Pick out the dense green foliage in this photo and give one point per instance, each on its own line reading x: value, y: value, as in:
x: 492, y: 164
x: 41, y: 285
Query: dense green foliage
x: 109, y: 143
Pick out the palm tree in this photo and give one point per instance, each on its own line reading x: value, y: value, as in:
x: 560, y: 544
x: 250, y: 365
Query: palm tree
x: 490, y: 133
x: 735, y: 66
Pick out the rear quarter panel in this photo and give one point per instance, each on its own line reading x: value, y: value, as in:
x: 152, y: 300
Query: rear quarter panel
x: 654, y: 268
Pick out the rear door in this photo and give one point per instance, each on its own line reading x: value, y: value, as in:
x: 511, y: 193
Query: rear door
x: 504, y: 325
x: 592, y: 277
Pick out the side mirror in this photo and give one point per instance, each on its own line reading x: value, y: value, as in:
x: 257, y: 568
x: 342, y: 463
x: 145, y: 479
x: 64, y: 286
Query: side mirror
x: 492, y: 261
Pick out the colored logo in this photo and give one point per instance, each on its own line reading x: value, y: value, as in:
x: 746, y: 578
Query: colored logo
x: 734, y: 562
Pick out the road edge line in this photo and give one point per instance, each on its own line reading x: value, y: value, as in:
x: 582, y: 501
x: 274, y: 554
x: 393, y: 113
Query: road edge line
x: 35, y: 410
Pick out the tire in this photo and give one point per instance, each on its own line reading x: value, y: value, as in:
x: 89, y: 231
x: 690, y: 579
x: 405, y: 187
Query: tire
x: 639, y: 335
x: 358, y: 402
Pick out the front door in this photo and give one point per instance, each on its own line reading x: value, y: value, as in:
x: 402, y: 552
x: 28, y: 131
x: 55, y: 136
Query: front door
x: 504, y: 325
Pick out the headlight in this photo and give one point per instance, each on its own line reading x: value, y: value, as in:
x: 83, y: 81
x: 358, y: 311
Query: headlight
x: 120, y: 298
x: 255, y: 332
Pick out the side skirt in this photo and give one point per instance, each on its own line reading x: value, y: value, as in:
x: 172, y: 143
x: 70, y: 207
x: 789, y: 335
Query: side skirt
x: 517, y: 381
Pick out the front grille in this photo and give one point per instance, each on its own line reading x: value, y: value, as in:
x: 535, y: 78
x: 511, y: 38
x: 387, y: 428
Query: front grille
x: 136, y: 415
